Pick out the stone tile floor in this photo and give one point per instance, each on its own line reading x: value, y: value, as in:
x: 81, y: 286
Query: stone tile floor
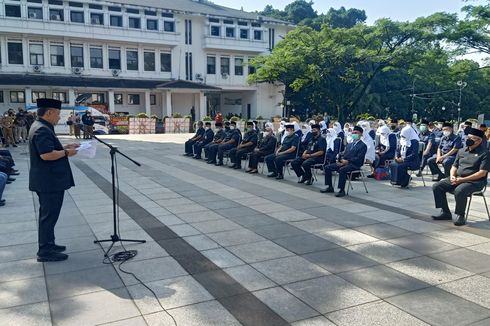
x: 227, y: 248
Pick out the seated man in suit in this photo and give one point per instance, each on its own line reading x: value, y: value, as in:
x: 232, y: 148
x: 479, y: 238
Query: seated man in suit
x: 247, y: 145
x: 206, y: 139
x: 351, y: 160
x: 314, y: 154
x: 287, y: 151
x: 266, y: 146
x: 211, y: 149
x: 230, y: 142
x: 468, y: 175
x: 190, y: 143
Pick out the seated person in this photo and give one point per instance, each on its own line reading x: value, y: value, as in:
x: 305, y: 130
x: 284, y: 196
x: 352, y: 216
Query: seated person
x: 351, y: 160
x: 266, y: 146
x: 314, y: 154
x: 334, y: 145
x: 386, y: 147
x: 190, y: 143
x: 288, y: 150
x: 234, y: 139
x: 3, y: 182
x: 219, y: 137
x: 429, y: 140
x: 306, y: 137
x: 247, y: 145
x: 468, y: 175
x: 207, y: 138
x: 446, y: 153
x: 407, y: 157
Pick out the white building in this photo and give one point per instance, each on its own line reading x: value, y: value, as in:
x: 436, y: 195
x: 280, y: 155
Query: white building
x: 153, y: 56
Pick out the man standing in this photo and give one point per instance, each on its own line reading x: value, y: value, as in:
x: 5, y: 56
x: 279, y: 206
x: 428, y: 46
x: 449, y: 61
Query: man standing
x: 7, y: 124
x: 468, y: 175
x: 50, y: 175
x: 88, y: 125
x: 314, y: 154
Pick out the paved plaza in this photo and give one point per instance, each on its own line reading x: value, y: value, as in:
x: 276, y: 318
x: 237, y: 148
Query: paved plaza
x: 227, y: 248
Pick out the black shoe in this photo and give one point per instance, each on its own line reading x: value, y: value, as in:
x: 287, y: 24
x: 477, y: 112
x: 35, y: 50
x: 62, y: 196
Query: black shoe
x: 232, y: 166
x: 272, y: 174
x: 2, y: 203
x: 220, y: 163
x: 237, y: 167
x: 371, y: 176
x: 51, y: 256
x: 56, y: 248
x: 9, y: 182
x: 309, y: 182
x: 438, y: 178
x: 341, y: 193
x: 327, y: 190
x: 442, y: 216
x: 14, y: 145
x: 11, y: 179
x: 280, y: 177
x: 211, y: 162
x: 419, y: 174
x: 14, y: 173
x: 302, y: 179
x: 197, y: 157
x: 460, y: 221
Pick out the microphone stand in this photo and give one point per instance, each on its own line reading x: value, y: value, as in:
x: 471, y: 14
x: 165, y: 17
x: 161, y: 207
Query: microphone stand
x: 115, y: 237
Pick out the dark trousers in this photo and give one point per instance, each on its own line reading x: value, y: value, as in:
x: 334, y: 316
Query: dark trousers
x: 302, y: 167
x: 198, y: 146
x: 236, y: 154
x: 461, y: 194
x: 49, y: 210
x: 276, y: 163
x: 188, y: 146
x: 399, y: 173
x: 211, y: 151
x: 447, y: 163
x: 425, y: 158
x: 343, y: 172
x: 381, y: 159
x: 255, y: 158
x: 223, y: 148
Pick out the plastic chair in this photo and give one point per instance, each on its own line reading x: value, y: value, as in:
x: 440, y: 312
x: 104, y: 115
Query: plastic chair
x: 320, y: 166
x: 415, y: 171
x: 288, y: 162
x: 477, y: 193
x: 362, y: 176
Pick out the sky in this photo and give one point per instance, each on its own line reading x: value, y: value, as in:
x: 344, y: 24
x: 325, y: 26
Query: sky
x: 401, y: 10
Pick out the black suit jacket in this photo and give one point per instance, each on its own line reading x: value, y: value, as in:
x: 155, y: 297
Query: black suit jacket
x: 355, y: 153
x: 47, y: 176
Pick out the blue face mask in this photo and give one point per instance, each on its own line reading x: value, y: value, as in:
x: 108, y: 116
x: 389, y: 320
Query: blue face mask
x: 355, y: 136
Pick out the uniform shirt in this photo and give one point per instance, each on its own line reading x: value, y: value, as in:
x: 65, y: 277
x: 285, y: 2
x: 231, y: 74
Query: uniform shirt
x: 208, y: 135
x: 470, y: 162
x: 219, y: 135
x: 268, y: 144
x: 200, y: 132
x: 437, y: 135
x: 236, y: 134
x: 429, y: 138
x: 448, y: 143
x: 316, y: 144
x: 289, y: 141
x: 250, y: 136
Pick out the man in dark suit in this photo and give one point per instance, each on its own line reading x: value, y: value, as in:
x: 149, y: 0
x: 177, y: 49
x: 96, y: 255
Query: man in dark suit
x: 206, y: 139
x: 351, y: 160
x: 197, y: 137
x: 247, y: 145
x: 50, y: 175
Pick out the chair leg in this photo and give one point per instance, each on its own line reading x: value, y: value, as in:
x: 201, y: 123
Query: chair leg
x: 468, y: 208
x: 486, y: 206
x: 423, y: 180
x: 349, y: 185
x: 363, y: 182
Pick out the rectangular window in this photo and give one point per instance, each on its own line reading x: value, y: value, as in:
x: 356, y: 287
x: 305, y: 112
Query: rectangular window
x: 15, y: 55
x: 77, y: 17
x: 188, y: 31
x: 152, y: 24
x: 225, y: 65
x: 75, y: 4
x: 60, y: 96
x: 132, y: 11
x: 132, y: 60
x: 149, y: 61
x: 134, y: 22
x: 150, y: 13
x: 239, y: 66
x: 213, y: 20
x: 166, y: 62
x: 116, y: 9
x: 230, y: 32
x: 92, y: 6
x: 96, y: 59
x: 56, y: 15
x: 251, y: 67
x: 215, y: 30
x: 17, y: 97
x: 98, y: 98
x: 242, y: 23
x: 244, y: 34
x: 188, y: 66
x: 258, y: 35
x: 168, y: 26
x: 118, y: 99
x: 76, y: 52
x: 228, y: 22
x: 36, y: 95
x: 12, y: 10
x: 35, y: 1
x: 272, y: 38
x: 35, y: 13
x: 57, y: 54
x: 36, y: 54
x: 116, y: 20
x: 96, y: 18
x: 1, y: 96
x: 167, y: 15
x: 55, y: 2
x: 256, y: 25
x: 211, y: 65
x: 114, y: 59
x: 153, y: 99
x: 133, y: 99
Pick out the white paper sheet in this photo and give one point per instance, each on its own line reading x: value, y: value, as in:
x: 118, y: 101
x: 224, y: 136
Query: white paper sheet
x: 87, y: 149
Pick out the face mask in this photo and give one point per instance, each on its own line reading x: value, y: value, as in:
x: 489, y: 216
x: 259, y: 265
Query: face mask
x: 207, y: 128
x: 290, y: 133
x: 446, y: 133
x: 355, y: 136
x: 423, y: 128
x: 346, y: 129
x: 470, y: 142
x: 266, y: 133
x: 232, y: 127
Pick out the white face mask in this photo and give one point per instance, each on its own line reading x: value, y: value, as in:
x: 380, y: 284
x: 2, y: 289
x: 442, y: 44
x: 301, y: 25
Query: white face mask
x: 206, y: 128
x: 232, y: 127
x: 290, y: 133
x: 266, y: 133
x: 446, y: 133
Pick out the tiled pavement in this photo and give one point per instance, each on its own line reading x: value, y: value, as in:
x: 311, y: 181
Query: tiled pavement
x: 227, y: 248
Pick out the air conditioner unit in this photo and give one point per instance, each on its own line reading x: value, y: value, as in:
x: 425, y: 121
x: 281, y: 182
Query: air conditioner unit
x: 55, y: 17
x: 115, y: 72
x: 77, y: 70
x: 224, y: 75
x: 36, y: 68
x: 33, y: 15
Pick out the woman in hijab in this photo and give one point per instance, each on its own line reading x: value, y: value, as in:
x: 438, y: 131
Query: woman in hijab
x: 281, y: 132
x: 347, y: 134
x: 368, y: 140
x: 323, y: 127
x: 306, y: 137
x: 297, y: 129
x: 407, y: 157
x: 266, y: 146
x: 334, y: 144
x: 386, y: 148
x: 338, y: 130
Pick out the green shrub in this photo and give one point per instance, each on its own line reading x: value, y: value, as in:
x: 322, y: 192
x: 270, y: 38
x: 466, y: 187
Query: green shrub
x: 235, y: 118
x: 142, y: 115
x: 177, y: 115
x: 259, y: 118
x: 207, y: 118
x: 155, y: 117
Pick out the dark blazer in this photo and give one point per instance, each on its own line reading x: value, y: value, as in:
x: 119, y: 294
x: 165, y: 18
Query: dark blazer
x: 47, y: 176
x: 268, y: 144
x: 355, y: 153
x: 208, y: 136
x: 412, y: 157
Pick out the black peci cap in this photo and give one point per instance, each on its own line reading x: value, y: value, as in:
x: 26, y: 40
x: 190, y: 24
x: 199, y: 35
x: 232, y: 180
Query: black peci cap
x: 476, y: 132
x: 357, y: 128
x: 48, y: 103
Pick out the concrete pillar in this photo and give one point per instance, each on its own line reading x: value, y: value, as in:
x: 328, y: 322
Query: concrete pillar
x: 163, y: 102
x: 202, y: 105
x: 168, y: 103
x: 28, y: 96
x: 147, y: 103
x: 71, y: 97
x: 112, y: 107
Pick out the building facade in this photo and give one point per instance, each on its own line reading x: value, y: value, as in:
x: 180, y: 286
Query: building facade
x: 153, y: 56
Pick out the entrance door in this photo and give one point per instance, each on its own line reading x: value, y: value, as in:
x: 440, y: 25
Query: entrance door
x: 249, y: 111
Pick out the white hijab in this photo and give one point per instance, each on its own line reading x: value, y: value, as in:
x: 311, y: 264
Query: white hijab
x: 348, y: 132
x: 384, y: 132
x: 281, y: 127
x: 371, y: 151
x: 331, y: 136
x: 323, y: 126
x: 406, y: 137
x: 337, y: 127
x: 307, y: 130
x: 269, y: 125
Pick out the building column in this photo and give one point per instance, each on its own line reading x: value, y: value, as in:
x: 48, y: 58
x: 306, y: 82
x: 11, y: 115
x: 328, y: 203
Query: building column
x: 71, y: 97
x: 112, y: 108
x: 163, y: 102
x: 202, y: 105
x: 168, y: 101
x: 147, y: 103
x: 28, y: 96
